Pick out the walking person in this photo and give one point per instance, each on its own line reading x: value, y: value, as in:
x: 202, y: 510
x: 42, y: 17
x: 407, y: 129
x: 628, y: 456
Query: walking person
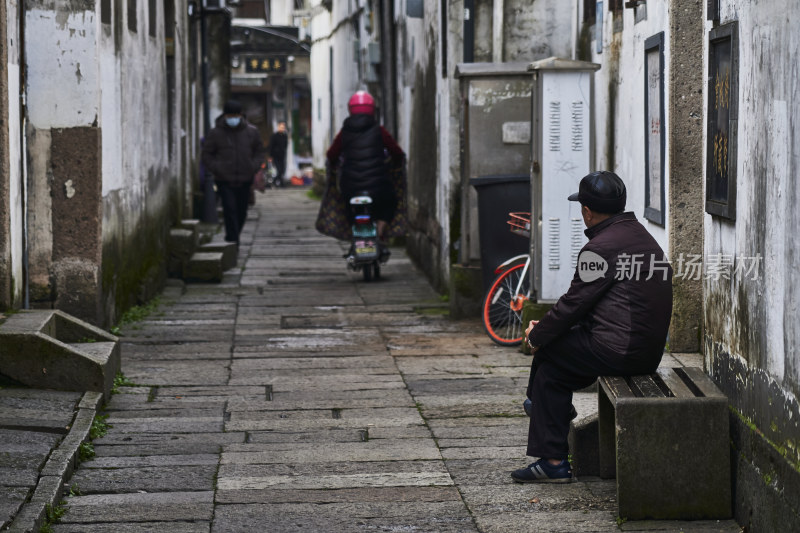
x: 233, y: 152
x: 277, y: 152
x: 612, y: 321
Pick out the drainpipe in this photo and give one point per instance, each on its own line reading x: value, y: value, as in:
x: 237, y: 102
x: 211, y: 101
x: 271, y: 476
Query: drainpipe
x: 469, y: 31
x: 497, y: 31
x: 388, y: 74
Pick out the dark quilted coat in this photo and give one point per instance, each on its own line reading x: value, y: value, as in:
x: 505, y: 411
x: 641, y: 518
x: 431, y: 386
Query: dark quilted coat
x: 364, y: 168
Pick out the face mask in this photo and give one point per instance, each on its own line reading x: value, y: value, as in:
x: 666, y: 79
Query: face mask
x: 233, y: 121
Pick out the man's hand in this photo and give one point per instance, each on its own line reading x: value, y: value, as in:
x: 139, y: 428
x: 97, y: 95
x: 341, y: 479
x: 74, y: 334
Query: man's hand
x: 528, y: 332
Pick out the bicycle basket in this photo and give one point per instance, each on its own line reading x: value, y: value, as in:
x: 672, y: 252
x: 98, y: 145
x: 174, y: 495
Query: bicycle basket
x: 520, y: 223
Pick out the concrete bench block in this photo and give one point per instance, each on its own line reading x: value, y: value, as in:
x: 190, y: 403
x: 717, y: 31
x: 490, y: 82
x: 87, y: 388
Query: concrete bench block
x: 228, y: 250
x: 204, y: 267
x: 666, y: 439
x: 583, y: 440
x: 53, y: 350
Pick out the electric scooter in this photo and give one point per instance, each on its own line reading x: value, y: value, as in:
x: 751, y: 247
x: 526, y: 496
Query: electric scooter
x: 366, y: 252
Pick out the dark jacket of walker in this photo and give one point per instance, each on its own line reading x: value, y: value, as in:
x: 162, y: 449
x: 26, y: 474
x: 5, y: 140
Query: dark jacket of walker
x: 364, y: 168
x: 233, y: 155
x: 626, y: 314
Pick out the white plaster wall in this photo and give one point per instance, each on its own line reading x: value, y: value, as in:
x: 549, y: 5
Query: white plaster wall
x: 110, y: 102
x: 321, y: 135
x: 767, y: 222
x: 346, y: 76
x: 133, y: 118
x: 332, y: 30
x: 16, y: 211
x: 62, y: 72
x: 281, y: 12
x: 626, y: 49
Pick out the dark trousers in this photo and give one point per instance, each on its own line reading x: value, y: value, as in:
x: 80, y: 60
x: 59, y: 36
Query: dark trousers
x: 280, y: 169
x: 234, y: 208
x: 565, y: 365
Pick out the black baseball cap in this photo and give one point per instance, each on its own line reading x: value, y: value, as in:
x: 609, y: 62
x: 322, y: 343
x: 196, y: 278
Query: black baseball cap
x: 601, y: 191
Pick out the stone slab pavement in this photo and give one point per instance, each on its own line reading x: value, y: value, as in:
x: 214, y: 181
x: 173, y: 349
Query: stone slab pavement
x: 41, y: 432
x: 294, y: 396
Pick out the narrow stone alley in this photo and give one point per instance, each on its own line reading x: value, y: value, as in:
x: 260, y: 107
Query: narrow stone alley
x: 295, y: 396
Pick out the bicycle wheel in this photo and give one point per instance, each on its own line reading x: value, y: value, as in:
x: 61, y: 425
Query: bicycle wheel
x: 502, y: 307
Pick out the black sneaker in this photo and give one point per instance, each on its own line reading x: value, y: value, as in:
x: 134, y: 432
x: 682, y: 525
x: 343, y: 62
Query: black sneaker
x: 528, y: 406
x: 543, y: 472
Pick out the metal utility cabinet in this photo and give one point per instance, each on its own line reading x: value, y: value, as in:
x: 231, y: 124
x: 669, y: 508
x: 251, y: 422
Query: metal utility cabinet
x: 495, y: 132
x: 562, y: 151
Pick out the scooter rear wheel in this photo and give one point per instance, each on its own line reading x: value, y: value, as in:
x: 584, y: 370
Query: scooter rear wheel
x: 367, y: 271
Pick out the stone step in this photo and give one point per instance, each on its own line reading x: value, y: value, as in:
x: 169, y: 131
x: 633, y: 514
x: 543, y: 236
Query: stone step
x: 182, y: 244
x: 228, y: 250
x: 53, y: 350
x: 189, y: 223
x: 204, y: 266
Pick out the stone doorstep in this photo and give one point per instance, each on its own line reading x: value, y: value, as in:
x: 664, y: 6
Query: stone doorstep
x: 53, y: 350
x: 190, y: 224
x: 229, y: 252
x: 58, y: 468
x: 204, y: 267
x: 182, y: 243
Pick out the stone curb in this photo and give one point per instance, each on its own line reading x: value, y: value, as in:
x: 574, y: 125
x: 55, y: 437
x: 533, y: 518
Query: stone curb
x: 58, y: 468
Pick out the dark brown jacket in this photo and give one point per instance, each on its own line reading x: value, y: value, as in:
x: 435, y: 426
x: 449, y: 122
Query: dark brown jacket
x: 626, y: 313
x: 233, y: 155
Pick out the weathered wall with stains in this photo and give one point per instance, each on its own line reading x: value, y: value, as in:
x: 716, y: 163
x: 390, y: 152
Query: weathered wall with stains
x: 752, y: 332
x: 620, y: 130
x: 536, y: 30
x: 107, y: 152
x: 419, y: 131
x: 336, y: 69
x: 429, y: 101
x: 62, y: 91
x: 619, y: 102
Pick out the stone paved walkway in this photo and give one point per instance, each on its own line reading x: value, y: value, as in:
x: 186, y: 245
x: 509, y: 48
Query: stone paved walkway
x: 296, y: 397
x: 32, y: 423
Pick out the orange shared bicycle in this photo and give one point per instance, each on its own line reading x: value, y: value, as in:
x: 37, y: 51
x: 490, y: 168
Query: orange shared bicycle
x: 502, y: 306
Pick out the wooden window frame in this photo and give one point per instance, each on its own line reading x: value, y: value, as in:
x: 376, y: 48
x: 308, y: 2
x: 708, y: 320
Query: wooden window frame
x: 725, y: 208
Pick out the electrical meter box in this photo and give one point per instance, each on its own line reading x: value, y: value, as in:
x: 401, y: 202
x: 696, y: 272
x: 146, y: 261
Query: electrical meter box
x: 562, y: 152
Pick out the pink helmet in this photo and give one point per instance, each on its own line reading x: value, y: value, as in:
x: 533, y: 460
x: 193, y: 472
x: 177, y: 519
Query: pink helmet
x: 361, y: 103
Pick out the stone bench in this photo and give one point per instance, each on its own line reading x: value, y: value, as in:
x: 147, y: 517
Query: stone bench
x: 665, y: 438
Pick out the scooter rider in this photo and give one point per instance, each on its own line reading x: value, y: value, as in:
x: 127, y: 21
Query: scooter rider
x: 362, y: 143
